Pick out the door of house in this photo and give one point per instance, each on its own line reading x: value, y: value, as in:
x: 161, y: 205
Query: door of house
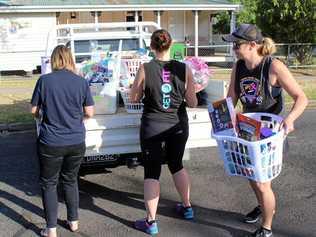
x: 176, y: 25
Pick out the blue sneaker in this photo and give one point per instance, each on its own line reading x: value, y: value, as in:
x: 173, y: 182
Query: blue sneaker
x: 186, y: 212
x: 144, y: 226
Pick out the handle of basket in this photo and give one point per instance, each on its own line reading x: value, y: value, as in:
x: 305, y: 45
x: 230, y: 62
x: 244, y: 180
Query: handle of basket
x: 282, y: 128
x: 283, y: 131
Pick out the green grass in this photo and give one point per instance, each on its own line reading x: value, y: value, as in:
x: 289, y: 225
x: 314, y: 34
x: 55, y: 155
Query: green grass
x: 15, y: 96
x: 15, y: 114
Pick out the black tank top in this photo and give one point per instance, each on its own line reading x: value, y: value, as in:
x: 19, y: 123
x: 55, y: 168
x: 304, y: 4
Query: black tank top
x: 254, y: 90
x: 164, y: 92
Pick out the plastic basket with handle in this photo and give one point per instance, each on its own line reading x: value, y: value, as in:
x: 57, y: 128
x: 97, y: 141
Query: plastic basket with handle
x: 129, y: 106
x: 133, y: 65
x: 256, y: 160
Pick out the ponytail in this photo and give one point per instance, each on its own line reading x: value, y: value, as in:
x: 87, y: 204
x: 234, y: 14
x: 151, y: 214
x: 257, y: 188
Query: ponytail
x: 160, y: 40
x: 267, y: 47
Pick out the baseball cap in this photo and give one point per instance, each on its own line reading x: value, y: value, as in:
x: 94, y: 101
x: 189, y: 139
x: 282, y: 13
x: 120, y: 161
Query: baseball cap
x: 246, y: 32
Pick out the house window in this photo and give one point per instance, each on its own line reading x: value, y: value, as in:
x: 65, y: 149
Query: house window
x: 130, y: 17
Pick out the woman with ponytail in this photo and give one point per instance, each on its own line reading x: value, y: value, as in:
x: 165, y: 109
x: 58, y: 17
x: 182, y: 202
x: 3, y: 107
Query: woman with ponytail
x: 257, y: 80
x: 166, y: 88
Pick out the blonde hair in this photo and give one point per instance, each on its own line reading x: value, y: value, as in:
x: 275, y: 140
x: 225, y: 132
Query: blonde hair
x: 61, y: 58
x: 267, y: 47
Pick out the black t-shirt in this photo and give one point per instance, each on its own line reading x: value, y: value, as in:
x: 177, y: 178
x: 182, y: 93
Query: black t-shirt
x: 254, y: 90
x: 164, y: 95
x: 61, y: 95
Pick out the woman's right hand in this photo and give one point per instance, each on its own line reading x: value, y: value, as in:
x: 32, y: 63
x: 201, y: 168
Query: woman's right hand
x: 288, y: 125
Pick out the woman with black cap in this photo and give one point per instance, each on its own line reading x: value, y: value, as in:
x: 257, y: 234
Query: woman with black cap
x: 266, y: 77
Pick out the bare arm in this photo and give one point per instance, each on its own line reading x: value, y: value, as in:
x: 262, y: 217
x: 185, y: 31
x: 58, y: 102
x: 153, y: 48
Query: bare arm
x: 285, y: 79
x: 88, y: 111
x: 231, y: 89
x: 35, y: 111
x: 190, y: 96
x: 138, y: 84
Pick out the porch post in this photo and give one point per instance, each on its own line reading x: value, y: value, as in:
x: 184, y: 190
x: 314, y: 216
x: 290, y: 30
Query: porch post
x: 158, y: 15
x: 210, y: 26
x: 196, y: 33
x: 96, y: 19
x: 232, y: 27
x: 136, y: 21
x: 136, y: 16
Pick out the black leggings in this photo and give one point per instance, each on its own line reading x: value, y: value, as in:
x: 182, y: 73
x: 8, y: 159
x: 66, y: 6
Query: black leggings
x: 167, y: 146
x: 63, y: 162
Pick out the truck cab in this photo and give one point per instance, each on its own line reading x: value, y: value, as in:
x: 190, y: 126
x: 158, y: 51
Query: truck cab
x: 85, y: 40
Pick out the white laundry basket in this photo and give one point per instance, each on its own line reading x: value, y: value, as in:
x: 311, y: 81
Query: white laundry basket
x: 133, y: 65
x: 129, y: 106
x: 256, y: 160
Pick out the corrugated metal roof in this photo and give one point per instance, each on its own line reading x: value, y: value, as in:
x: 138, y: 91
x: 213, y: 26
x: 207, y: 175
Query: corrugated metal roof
x: 110, y: 2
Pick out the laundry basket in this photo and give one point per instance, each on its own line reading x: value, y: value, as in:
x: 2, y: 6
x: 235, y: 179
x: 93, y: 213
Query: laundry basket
x: 129, y: 106
x: 133, y: 65
x: 256, y: 160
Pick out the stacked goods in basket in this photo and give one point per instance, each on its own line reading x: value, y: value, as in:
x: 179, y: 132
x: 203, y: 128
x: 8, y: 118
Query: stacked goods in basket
x: 129, y: 70
x: 251, y: 144
x: 130, y: 107
x: 225, y: 121
x: 102, y: 77
x: 223, y: 117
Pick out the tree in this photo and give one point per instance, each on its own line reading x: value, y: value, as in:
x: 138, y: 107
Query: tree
x: 289, y: 21
x: 246, y: 15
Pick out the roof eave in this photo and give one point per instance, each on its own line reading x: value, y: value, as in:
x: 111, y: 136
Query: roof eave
x: 158, y: 7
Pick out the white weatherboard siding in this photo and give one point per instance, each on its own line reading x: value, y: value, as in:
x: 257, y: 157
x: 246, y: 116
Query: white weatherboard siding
x: 23, y: 39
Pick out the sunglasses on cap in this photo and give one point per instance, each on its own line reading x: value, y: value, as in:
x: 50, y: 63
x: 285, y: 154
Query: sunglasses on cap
x: 237, y: 44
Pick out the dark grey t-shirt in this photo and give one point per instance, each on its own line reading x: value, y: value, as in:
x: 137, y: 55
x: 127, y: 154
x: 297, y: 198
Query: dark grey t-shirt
x: 61, y: 95
x: 164, y: 105
x: 254, y: 89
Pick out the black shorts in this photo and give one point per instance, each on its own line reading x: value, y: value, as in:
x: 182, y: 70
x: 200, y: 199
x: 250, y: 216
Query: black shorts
x: 167, y: 146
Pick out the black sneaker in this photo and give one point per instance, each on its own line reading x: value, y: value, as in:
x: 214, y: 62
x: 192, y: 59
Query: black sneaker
x: 253, y: 216
x: 262, y: 232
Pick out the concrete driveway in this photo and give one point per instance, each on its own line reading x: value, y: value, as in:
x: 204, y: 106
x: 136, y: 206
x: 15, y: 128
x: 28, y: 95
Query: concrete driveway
x: 109, y: 203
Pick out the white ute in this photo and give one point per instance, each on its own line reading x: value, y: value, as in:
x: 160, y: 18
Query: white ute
x: 113, y: 139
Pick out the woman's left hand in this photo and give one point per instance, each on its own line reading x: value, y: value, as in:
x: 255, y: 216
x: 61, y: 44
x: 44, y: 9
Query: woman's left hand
x: 288, y: 125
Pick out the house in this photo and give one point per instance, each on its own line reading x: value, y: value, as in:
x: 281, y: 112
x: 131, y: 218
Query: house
x: 24, y: 24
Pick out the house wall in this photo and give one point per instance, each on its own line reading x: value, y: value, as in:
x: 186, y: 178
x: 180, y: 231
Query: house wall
x: 149, y: 16
x: 31, y: 37
x: 204, y: 27
x: 173, y: 21
x: 23, y: 39
x: 180, y: 24
x: 81, y: 17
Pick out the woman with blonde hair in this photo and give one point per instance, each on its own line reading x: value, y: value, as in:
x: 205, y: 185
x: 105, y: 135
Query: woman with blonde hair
x: 64, y: 99
x: 257, y: 80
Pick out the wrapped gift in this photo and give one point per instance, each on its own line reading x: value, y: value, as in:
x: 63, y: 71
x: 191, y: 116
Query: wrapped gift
x: 200, y: 70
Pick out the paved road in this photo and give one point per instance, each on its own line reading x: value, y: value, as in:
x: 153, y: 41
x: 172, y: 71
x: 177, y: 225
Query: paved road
x: 111, y: 202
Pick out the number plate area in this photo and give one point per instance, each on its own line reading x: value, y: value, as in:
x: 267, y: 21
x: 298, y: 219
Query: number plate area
x: 101, y: 158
